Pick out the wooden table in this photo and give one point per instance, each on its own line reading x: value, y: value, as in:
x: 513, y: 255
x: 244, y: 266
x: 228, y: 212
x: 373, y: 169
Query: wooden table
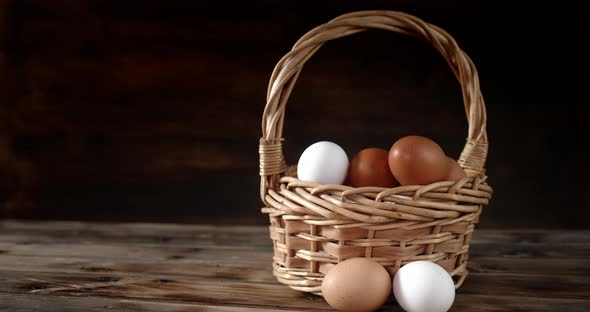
x: 71, y: 266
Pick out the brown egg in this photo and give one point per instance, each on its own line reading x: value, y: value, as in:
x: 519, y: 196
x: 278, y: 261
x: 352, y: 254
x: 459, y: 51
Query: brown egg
x: 369, y: 167
x: 416, y: 160
x: 456, y: 173
x: 357, y: 284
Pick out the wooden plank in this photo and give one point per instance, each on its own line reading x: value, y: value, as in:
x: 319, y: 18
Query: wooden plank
x: 41, y: 303
x: 251, y: 246
x: 239, y: 265
x: 556, y: 255
x: 134, y: 233
x: 217, y: 292
x: 204, y: 264
x: 253, y: 265
x: 532, y: 236
x: 552, y: 258
x: 486, y: 243
x: 122, y: 231
x: 208, y: 291
x: 230, y: 265
x: 464, y: 302
x: 201, y: 248
x: 527, y: 285
x: 245, y: 265
x: 546, y: 266
x: 533, y: 250
x: 489, y: 275
x: 483, y: 303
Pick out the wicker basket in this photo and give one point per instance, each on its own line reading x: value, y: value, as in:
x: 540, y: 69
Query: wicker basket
x: 315, y: 226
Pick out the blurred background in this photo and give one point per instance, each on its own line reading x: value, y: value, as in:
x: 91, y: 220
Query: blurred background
x: 150, y: 110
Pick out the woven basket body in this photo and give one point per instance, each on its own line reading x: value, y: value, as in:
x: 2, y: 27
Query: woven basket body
x: 315, y: 226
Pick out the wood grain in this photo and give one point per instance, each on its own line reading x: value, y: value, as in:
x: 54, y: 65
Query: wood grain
x: 210, y: 291
x: 122, y: 232
x: 166, y: 267
x: 41, y: 303
x: 20, y: 302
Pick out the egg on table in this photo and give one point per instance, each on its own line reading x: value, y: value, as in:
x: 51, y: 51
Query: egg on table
x: 357, y: 284
x: 323, y: 162
x: 423, y: 286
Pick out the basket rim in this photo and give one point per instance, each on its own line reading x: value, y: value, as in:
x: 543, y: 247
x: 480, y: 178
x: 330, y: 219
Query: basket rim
x: 439, y: 203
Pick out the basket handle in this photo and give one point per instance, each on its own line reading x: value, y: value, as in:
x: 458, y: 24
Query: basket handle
x: 284, y: 76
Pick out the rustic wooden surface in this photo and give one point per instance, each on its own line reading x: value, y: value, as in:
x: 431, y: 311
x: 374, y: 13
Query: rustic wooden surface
x: 74, y: 266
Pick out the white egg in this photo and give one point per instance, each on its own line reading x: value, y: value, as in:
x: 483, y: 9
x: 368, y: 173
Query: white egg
x: 423, y: 286
x: 323, y: 162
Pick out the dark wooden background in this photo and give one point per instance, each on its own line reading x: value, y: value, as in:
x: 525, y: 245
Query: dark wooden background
x: 150, y: 110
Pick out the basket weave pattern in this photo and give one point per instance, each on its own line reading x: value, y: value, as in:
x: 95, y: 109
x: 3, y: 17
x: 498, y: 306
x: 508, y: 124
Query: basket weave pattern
x: 315, y: 226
